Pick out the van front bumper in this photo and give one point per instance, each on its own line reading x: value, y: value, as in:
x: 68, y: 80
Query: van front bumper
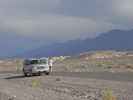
x: 40, y: 70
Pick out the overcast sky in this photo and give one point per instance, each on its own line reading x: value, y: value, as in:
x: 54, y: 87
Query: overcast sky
x: 64, y: 19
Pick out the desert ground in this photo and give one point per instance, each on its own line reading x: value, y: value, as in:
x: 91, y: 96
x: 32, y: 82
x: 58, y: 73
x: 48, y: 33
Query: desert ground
x: 88, y: 76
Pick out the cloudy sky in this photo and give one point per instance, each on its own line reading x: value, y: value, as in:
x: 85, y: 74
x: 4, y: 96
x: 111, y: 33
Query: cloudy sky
x: 64, y: 19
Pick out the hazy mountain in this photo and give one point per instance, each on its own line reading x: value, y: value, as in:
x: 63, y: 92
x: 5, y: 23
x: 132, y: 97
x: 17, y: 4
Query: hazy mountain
x: 112, y: 40
x: 13, y: 44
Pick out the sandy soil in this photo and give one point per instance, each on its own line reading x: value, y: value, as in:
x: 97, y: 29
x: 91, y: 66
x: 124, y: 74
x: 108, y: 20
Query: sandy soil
x: 18, y: 87
x: 71, y: 80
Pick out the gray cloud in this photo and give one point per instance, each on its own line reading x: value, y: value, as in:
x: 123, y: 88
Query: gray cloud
x: 64, y: 19
x: 117, y: 12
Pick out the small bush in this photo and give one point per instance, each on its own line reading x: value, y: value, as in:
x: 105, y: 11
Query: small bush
x: 19, y: 65
x: 58, y: 79
x: 35, y: 83
x: 108, y: 95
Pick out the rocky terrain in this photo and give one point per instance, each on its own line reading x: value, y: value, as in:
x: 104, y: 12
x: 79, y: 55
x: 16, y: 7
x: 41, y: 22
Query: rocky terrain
x: 88, y: 76
x: 17, y: 87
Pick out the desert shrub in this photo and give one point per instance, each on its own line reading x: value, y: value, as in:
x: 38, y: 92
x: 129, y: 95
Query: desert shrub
x: 129, y: 66
x: 35, y: 83
x: 108, y: 95
x: 58, y: 79
x: 99, y: 64
x: 19, y: 65
x: 60, y: 58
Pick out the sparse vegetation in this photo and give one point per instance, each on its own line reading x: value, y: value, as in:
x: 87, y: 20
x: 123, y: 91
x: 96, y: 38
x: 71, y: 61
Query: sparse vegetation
x: 19, y: 65
x: 103, y: 61
x: 60, y: 58
x: 108, y: 95
x: 65, y: 84
x: 35, y: 83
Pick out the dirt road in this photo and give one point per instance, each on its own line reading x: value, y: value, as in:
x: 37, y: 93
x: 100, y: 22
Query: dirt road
x: 119, y: 76
x: 66, y: 86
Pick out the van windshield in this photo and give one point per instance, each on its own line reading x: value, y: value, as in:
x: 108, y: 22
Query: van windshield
x: 43, y: 61
x: 30, y: 62
x: 34, y: 61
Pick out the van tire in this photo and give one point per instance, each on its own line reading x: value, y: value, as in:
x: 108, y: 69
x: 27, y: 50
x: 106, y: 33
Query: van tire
x: 29, y: 74
x: 39, y: 73
x: 25, y: 74
x: 47, y: 73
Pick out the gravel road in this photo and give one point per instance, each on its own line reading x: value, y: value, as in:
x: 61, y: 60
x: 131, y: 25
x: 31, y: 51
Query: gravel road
x: 65, y: 86
x: 119, y: 76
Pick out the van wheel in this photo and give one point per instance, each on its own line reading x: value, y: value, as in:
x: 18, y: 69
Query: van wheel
x: 25, y: 74
x: 29, y: 74
x: 39, y: 73
x: 47, y: 73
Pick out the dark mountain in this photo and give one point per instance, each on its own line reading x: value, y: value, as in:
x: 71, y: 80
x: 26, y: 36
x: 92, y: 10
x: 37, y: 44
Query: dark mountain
x: 12, y: 44
x: 112, y: 40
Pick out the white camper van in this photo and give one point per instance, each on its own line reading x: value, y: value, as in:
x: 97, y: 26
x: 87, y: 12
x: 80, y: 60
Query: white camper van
x: 36, y: 66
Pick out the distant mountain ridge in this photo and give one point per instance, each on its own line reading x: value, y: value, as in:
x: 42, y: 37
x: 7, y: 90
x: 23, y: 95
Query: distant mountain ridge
x: 13, y: 43
x: 112, y: 40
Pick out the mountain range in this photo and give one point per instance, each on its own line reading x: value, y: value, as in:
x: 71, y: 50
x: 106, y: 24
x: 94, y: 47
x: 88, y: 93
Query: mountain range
x: 12, y: 44
x: 112, y: 40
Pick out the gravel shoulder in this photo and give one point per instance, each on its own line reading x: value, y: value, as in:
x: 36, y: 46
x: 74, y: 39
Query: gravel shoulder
x: 59, y: 86
x: 72, y: 79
